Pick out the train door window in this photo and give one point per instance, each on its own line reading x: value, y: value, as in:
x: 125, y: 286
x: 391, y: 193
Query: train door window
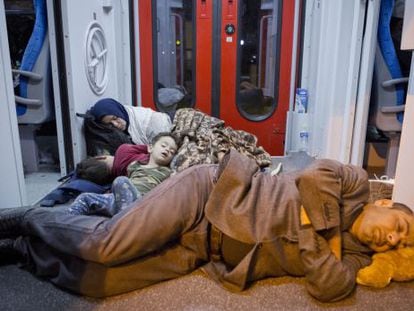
x: 174, y: 50
x: 258, y: 61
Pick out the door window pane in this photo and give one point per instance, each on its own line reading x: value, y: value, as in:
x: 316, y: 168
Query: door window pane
x: 259, y: 37
x: 174, y: 54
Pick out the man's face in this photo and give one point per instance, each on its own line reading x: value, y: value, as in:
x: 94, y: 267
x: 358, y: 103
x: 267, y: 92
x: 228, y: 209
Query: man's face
x: 115, y: 121
x: 163, y: 150
x: 382, y: 228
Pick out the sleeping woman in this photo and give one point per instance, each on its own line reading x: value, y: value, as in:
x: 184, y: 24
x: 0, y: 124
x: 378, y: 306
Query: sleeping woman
x: 142, y: 124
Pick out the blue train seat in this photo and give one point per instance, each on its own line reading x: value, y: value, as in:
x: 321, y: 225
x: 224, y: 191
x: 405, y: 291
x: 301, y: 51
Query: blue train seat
x: 33, y: 104
x: 388, y: 89
x: 34, y: 99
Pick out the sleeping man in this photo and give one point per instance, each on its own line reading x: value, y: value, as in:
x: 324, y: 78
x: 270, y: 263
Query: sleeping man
x: 237, y: 223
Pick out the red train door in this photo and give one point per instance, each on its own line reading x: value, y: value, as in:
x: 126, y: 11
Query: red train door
x: 232, y: 58
x: 256, y: 56
x: 175, y: 40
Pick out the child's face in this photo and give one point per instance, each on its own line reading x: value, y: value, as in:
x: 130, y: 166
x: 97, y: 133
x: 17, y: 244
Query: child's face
x: 163, y: 151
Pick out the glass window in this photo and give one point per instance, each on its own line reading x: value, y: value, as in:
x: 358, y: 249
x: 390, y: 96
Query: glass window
x: 20, y: 18
x: 174, y: 72
x: 259, y: 36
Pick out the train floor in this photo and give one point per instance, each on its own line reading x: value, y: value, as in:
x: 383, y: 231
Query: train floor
x: 20, y: 290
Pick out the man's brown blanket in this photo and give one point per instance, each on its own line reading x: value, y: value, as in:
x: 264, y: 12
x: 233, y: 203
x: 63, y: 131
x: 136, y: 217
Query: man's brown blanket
x: 204, y: 137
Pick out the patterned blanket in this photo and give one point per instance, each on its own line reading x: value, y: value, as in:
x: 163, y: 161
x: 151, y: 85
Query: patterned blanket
x: 205, y: 139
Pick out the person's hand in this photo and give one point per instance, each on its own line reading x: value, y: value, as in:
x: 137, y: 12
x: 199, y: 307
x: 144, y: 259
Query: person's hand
x: 384, y: 202
x: 220, y: 155
x: 334, y: 242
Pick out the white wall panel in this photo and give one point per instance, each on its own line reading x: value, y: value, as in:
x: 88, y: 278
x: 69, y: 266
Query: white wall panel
x: 403, y: 189
x: 12, y: 189
x: 113, y: 17
x: 331, y: 61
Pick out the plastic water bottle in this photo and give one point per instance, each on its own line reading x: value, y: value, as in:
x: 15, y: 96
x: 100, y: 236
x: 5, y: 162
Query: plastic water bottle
x: 304, y: 139
x: 301, y: 100
x: 301, y: 105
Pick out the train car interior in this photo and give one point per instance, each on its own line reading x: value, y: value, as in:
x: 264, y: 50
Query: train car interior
x: 248, y: 84
x: 309, y: 79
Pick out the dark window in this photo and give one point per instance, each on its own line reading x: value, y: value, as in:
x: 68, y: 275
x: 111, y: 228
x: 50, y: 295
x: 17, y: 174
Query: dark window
x: 259, y: 54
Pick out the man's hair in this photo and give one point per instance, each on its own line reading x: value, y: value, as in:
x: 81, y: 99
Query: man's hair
x: 402, y: 207
x: 166, y: 134
x: 95, y: 170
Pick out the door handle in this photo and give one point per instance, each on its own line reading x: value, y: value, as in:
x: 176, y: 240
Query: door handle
x: 203, y: 9
x: 229, y: 9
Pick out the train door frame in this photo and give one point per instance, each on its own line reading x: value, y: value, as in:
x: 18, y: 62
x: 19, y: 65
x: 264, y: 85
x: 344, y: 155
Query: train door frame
x: 365, y: 83
x: 12, y: 186
x: 60, y: 90
x: 331, y: 61
x: 405, y: 169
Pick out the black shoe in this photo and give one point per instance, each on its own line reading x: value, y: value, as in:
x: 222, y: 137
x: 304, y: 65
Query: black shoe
x: 10, y: 221
x: 8, y: 254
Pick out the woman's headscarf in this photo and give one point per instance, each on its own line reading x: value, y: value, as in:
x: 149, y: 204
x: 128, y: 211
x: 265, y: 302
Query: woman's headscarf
x: 109, y: 106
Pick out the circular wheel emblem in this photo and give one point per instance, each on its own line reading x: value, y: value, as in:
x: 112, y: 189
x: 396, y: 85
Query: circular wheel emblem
x: 96, y: 63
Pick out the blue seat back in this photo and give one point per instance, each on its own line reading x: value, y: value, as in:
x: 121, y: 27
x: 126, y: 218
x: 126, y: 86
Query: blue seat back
x: 33, y: 49
x: 388, y: 51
